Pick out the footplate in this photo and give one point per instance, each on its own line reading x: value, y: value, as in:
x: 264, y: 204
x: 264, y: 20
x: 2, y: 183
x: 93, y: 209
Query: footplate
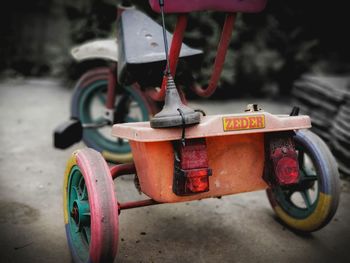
x: 67, y: 134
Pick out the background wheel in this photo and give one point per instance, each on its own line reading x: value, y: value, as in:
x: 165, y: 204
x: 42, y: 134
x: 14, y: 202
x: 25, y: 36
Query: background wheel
x: 90, y: 208
x: 311, y: 204
x: 88, y: 105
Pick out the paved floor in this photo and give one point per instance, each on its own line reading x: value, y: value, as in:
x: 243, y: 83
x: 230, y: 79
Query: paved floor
x: 239, y: 228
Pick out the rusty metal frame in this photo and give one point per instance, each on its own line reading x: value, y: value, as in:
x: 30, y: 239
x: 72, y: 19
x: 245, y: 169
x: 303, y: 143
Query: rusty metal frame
x: 219, y: 59
x: 124, y: 169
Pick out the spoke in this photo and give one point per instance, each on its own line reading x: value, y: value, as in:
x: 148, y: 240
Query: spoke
x: 288, y: 194
x: 81, y: 184
x: 116, y: 101
x: 76, y: 191
x: 308, y: 177
x: 84, y: 194
x: 102, y: 98
x: 301, y: 158
x: 306, y: 197
x: 87, y: 232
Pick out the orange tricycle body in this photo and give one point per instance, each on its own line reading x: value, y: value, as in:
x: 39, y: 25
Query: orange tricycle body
x: 235, y: 149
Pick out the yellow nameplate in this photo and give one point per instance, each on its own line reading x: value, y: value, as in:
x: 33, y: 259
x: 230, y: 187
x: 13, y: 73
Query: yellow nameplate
x: 243, y: 123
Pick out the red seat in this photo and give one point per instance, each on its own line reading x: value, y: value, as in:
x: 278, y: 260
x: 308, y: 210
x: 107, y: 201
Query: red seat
x: 187, y: 6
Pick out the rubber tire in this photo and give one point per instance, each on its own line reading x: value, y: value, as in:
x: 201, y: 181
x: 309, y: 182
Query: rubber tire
x: 109, y: 149
x: 103, y: 208
x: 328, y: 186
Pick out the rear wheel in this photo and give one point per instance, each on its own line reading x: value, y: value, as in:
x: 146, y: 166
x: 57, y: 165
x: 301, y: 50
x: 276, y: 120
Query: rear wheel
x: 311, y: 204
x: 88, y: 105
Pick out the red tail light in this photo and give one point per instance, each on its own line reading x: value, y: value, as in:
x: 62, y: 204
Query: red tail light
x: 197, y: 181
x: 283, y: 160
x: 191, y: 174
x: 287, y: 171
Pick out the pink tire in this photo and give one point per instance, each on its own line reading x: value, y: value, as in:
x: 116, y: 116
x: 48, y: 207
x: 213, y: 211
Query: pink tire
x: 90, y: 208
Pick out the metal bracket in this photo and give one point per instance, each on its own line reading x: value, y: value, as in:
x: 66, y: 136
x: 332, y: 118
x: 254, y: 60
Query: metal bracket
x: 109, y: 115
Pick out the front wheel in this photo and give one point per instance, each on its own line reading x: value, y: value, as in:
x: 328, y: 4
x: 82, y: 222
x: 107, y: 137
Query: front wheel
x: 311, y: 204
x: 90, y: 208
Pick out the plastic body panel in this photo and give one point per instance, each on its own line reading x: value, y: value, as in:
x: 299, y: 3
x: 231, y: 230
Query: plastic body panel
x: 236, y: 161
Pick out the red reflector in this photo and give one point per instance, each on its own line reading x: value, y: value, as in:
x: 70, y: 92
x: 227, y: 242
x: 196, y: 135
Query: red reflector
x: 287, y: 171
x: 197, y: 180
x: 194, y: 155
x: 197, y: 184
x: 191, y: 181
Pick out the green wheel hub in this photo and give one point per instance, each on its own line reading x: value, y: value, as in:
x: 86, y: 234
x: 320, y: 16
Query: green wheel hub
x: 79, y: 211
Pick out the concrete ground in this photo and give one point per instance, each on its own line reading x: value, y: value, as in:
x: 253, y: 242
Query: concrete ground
x: 239, y: 228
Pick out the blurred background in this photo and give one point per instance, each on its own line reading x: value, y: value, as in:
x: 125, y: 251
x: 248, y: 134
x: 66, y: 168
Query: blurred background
x: 294, y: 49
x: 292, y: 53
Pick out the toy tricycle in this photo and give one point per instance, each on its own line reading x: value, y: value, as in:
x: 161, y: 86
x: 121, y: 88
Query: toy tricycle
x: 135, y: 57
x: 182, y: 156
